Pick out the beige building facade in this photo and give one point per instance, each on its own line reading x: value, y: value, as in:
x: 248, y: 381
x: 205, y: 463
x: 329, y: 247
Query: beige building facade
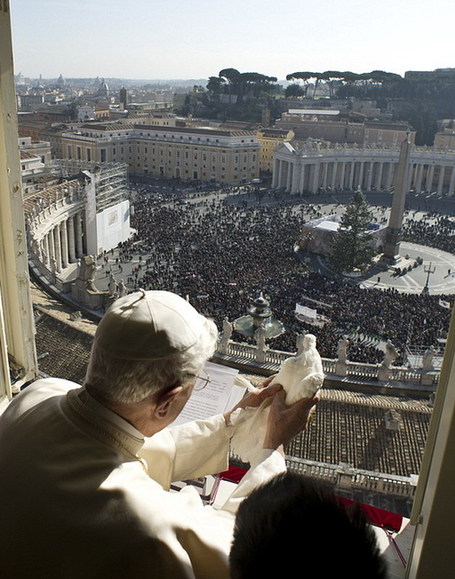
x: 445, y: 139
x: 338, y: 126
x: 269, y: 139
x: 187, y: 153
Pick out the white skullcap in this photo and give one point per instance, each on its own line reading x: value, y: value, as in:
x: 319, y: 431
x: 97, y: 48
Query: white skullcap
x: 148, y: 325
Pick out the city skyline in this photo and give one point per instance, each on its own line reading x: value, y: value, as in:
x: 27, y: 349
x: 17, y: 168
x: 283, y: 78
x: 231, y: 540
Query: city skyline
x: 177, y: 40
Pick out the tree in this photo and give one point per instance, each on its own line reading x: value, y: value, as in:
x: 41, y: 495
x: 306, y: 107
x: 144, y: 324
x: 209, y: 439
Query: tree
x: 303, y: 76
x: 294, y: 90
x: 215, y: 85
x: 351, y: 248
x: 332, y: 78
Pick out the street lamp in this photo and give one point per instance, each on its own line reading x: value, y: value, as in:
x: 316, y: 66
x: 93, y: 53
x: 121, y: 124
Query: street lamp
x: 428, y: 270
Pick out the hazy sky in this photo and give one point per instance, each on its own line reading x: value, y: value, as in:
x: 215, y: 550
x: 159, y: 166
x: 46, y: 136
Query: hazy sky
x: 197, y: 38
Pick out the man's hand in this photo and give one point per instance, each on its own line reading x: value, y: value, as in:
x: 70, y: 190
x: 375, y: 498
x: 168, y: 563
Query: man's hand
x: 255, y: 399
x: 286, y: 421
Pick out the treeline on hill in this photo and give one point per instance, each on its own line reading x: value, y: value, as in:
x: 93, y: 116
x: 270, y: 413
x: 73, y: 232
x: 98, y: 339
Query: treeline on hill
x: 233, y: 95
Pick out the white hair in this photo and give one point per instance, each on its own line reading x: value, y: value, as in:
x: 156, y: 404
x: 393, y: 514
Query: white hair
x: 130, y: 381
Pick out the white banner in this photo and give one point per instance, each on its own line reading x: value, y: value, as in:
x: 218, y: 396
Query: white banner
x: 305, y: 312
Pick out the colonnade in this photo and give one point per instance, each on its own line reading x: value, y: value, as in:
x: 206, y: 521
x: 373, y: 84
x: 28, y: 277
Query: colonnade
x: 64, y: 243
x: 309, y: 170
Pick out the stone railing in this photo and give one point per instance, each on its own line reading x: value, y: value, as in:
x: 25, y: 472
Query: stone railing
x: 349, y: 478
x: 269, y: 361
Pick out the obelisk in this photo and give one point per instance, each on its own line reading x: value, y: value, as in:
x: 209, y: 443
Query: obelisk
x: 400, y: 182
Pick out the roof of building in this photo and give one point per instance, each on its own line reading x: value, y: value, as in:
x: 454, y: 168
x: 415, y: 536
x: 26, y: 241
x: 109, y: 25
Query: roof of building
x: 327, y: 112
x: 199, y: 131
x: 50, y: 193
x: 63, y: 351
x: 26, y: 155
x: 355, y: 425
x: 328, y: 225
x: 277, y: 133
x: 395, y: 125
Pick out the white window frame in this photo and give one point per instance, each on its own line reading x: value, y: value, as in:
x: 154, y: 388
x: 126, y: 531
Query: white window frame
x: 17, y: 330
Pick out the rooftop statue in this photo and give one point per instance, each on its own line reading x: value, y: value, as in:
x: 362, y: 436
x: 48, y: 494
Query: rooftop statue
x: 87, y: 271
x: 391, y: 355
x: 112, y: 286
x: 427, y: 359
x: 225, y: 336
x: 342, y: 349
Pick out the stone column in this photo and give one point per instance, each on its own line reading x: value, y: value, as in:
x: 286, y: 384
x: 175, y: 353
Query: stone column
x: 325, y: 170
x: 289, y: 176
x: 64, y: 236
x: 429, y: 182
x: 295, y: 178
x: 58, y: 248
x: 333, y: 184
x: 280, y: 171
x: 418, y: 184
x: 302, y: 178
x: 378, y: 182
x: 51, y: 245
x: 351, y: 175
x: 275, y: 173
x: 315, y: 184
x: 409, y: 183
x: 452, y: 181
x: 441, y: 178
x: 71, y: 241
x: 370, y: 175
x: 45, y: 244
x: 343, y: 171
x: 362, y: 169
x: 79, y: 246
x: 389, y: 177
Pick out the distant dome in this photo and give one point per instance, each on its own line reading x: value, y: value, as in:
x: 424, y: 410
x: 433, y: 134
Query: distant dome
x: 103, y: 89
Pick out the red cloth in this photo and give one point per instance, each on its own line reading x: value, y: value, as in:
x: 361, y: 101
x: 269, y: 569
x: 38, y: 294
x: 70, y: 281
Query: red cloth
x: 376, y: 516
x: 233, y: 474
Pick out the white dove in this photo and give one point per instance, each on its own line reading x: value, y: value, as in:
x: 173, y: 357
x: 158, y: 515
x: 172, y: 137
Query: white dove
x: 300, y: 376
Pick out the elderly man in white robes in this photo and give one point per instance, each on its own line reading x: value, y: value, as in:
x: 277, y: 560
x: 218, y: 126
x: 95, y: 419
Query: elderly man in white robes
x: 85, y: 471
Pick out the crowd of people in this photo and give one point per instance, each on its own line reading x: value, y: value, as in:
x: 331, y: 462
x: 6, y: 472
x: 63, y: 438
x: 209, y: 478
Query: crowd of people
x: 436, y: 231
x: 222, y: 256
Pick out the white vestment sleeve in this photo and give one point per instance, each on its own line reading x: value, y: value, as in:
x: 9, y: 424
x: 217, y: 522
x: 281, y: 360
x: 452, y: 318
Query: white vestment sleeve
x: 266, y: 464
x: 188, y: 451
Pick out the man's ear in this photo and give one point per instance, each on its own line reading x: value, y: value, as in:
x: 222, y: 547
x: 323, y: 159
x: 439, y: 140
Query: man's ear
x: 166, y: 401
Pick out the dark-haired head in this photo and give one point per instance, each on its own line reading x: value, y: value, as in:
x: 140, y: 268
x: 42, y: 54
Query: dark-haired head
x: 293, y: 526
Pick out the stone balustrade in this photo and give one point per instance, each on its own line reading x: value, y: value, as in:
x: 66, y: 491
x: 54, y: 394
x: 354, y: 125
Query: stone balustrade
x: 344, y: 372
x: 348, y: 478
